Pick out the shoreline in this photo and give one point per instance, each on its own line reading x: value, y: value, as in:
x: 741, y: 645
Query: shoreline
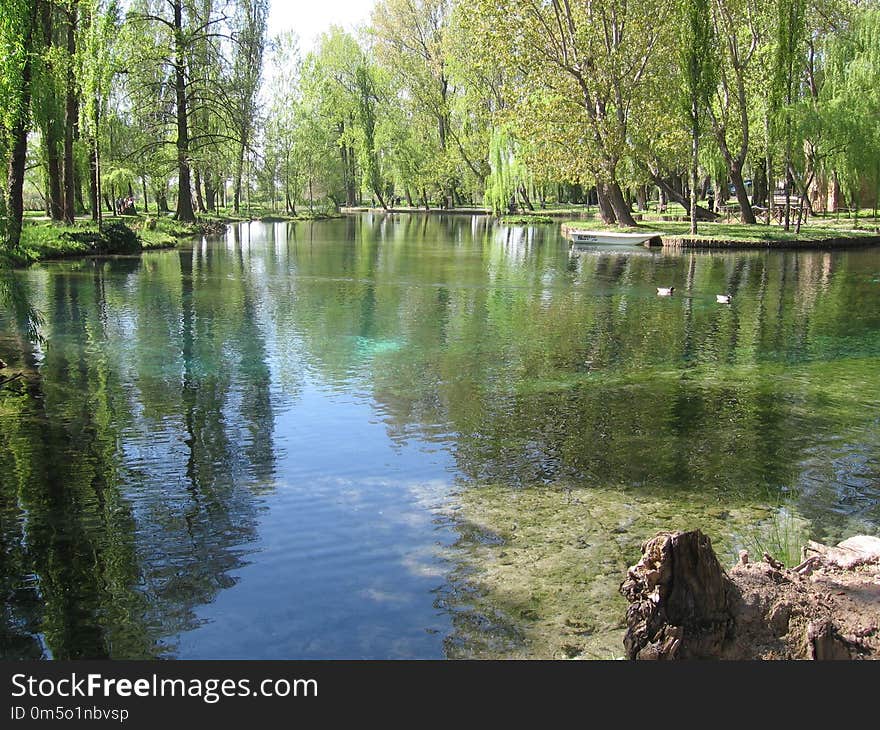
x: 64, y: 243
x: 154, y: 238
x: 810, y: 241
x: 810, y: 244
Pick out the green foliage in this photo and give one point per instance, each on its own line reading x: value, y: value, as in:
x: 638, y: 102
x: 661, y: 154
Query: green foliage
x: 697, y: 49
x: 508, y: 173
x: 782, y: 536
x: 445, y: 100
x: 850, y: 109
x: 526, y: 220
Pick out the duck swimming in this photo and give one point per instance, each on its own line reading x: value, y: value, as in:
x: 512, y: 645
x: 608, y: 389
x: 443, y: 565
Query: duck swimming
x: 723, y: 298
x: 665, y: 291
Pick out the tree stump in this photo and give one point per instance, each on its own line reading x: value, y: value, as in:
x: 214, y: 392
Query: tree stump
x: 683, y: 605
x: 680, y: 599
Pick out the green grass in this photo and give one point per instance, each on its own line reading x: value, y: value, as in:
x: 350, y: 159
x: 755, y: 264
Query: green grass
x: 43, y: 240
x: 782, y: 536
x: 268, y: 215
x: 526, y: 219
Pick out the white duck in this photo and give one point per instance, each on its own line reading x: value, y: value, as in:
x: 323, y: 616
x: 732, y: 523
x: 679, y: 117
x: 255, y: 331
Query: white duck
x: 723, y: 298
x: 665, y: 291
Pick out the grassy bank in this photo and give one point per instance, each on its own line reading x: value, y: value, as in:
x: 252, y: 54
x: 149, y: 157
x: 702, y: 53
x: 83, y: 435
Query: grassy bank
x: 731, y: 235
x: 43, y: 240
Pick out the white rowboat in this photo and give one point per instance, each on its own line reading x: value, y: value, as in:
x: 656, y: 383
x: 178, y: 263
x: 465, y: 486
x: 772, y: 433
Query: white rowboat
x: 581, y: 237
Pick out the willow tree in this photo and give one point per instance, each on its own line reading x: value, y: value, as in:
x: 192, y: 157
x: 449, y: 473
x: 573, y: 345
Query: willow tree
x: 281, y: 127
x: 165, y: 39
x: 699, y: 79
x: 591, y: 63
x: 790, y: 31
x: 851, y: 103
x: 411, y: 37
x: 249, y: 43
x: 71, y: 109
x: 46, y: 104
x: 99, y: 22
x: 509, y: 175
x: 368, y: 98
x: 742, y: 28
x: 20, y: 39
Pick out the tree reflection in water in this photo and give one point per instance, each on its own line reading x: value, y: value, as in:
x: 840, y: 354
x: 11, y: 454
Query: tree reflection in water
x: 176, y: 391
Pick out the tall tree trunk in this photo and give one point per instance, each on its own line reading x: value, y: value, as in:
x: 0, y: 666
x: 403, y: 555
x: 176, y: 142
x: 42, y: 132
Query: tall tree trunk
x: 289, y: 205
x: 197, y: 179
x: 185, y: 211
x: 71, y: 115
x: 353, y: 194
x: 742, y: 195
x: 53, y: 164
x: 161, y: 200
x: 348, y: 171
x: 51, y: 128
x: 622, y: 211
x: 239, y: 168
x: 210, y: 191
x: 18, y: 141
x: 15, y: 182
x: 94, y: 194
x: 606, y: 210
x: 695, y: 155
x: 343, y: 154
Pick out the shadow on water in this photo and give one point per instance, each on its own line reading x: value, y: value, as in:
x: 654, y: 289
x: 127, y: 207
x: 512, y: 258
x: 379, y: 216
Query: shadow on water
x: 412, y: 435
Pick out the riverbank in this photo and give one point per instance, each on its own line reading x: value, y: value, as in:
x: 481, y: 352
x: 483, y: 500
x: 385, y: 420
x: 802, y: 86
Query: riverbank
x: 527, y: 217
x: 828, y: 234
x: 44, y: 240
x: 684, y: 605
x: 674, y: 229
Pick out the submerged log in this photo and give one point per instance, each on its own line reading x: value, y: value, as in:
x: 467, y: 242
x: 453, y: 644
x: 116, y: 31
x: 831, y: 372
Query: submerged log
x: 683, y: 605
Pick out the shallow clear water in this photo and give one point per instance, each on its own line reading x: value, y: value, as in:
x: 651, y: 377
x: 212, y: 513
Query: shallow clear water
x: 279, y: 443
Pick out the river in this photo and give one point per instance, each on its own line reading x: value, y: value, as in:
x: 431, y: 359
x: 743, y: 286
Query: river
x: 412, y: 436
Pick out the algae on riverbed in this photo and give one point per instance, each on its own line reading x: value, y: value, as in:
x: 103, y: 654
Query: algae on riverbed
x: 545, y: 563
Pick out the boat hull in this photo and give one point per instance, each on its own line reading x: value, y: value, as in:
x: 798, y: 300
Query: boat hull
x: 609, y: 238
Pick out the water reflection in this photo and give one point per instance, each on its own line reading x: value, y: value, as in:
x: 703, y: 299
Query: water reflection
x: 280, y: 442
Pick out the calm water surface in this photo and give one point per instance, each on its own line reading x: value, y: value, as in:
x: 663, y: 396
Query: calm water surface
x: 268, y: 444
